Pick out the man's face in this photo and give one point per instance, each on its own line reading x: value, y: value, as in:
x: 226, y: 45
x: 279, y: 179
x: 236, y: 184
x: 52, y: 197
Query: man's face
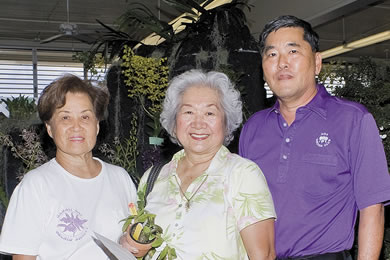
x: 290, y: 65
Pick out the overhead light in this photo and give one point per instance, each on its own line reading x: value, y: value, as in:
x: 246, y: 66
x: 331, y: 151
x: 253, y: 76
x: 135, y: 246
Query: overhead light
x: 177, y: 24
x: 379, y: 37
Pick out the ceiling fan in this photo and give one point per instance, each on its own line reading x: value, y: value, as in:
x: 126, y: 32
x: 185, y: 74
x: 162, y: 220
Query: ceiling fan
x: 70, y: 30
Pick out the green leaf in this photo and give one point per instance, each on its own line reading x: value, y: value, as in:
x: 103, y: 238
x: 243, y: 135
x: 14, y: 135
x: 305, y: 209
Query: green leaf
x: 157, y: 242
x: 163, y: 253
x: 178, y: 5
x: 146, y: 229
x: 172, y: 253
x: 127, y: 223
x: 141, y: 218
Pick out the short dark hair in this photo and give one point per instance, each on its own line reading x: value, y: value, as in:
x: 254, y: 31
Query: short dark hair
x: 284, y: 21
x: 54, y: 96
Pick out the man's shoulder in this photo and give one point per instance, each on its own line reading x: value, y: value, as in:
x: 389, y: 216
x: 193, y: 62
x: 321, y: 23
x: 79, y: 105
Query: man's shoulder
x: 346, y: 106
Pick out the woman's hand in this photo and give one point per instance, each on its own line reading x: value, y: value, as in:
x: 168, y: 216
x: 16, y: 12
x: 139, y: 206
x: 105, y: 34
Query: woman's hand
x: 259, y: 239
x: 124, y: 244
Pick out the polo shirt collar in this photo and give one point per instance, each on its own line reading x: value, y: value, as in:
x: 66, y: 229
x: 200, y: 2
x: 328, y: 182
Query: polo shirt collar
x: 217, y: 163
x: 317, y: 104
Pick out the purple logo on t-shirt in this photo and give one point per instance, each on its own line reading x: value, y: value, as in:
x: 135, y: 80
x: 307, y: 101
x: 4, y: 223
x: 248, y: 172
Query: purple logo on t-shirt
x: 71, y: 225
x: 323, y: 140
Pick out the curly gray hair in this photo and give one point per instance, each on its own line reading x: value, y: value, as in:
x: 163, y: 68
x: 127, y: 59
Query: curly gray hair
x: 229, y: 98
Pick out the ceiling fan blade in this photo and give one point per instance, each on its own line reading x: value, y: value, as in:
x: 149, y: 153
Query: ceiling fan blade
x: 52, y: 38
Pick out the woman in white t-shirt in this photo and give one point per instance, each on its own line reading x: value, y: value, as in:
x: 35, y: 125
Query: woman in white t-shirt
x: 55, y: 210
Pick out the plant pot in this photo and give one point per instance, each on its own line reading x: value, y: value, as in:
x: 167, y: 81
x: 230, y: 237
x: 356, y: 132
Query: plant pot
x: 143, y: 248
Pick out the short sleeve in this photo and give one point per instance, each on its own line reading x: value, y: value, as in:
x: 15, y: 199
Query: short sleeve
x: 368, y: 165
x: 23, y: 227
x: 250, y: 195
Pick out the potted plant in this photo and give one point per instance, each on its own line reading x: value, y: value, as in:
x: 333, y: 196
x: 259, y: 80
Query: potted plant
x: 145, y: 235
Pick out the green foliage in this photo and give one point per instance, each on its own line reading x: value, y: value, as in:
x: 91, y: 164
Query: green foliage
x: 125, y: 151
x: 368, y: 83
x: 154, y: 125
x: 21, y: 108
x: 151, y: 232
x: 147, y: 80
x: 91, y: 62
x: 139, y: 21
x: 138, y: 16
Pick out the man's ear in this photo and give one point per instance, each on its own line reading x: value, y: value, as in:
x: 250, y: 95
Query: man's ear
x: 318, y: 61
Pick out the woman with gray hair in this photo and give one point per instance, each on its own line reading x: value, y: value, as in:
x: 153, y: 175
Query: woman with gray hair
x: 211, y: 204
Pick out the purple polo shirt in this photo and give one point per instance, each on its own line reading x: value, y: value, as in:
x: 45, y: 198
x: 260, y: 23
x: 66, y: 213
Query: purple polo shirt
x: 321, y: 169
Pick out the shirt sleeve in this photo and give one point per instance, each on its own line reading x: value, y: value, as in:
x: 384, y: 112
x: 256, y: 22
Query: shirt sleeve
x: 23, y: 226
x: 368, y: 164
x: 250, y: 195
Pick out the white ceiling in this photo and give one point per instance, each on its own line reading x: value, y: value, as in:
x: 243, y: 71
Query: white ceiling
x: 23, y: 23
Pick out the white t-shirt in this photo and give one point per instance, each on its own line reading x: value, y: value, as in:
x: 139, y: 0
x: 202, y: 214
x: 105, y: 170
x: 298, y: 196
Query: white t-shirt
x: 53, y: 214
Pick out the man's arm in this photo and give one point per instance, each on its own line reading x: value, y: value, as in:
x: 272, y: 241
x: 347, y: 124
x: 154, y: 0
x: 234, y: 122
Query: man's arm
x: 258, y: 240
x: 371, y: 228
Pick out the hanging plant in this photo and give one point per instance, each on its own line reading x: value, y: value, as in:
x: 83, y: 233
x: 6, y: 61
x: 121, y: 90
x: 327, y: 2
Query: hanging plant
x: 147, y: 80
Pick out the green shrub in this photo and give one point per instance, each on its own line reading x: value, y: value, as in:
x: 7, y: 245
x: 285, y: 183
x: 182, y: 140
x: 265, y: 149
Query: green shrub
x: 21, y: 108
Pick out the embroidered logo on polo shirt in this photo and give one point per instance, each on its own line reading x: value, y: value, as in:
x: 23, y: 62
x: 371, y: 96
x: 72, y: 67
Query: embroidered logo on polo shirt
x: 323, y: 140
x: 71, y: 225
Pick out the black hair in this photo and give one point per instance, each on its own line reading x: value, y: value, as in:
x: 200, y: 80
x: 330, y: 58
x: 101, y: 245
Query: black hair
x: 285, y: 21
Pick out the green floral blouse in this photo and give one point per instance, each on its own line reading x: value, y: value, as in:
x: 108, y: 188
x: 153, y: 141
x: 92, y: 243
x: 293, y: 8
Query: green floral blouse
x: 229, y: 196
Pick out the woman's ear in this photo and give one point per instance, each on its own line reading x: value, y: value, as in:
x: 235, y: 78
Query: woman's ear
x: 174, y: 132
x: 48, y: 128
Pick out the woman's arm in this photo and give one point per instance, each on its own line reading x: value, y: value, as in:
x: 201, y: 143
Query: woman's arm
x: 24, y: 257
x: 258, y: 240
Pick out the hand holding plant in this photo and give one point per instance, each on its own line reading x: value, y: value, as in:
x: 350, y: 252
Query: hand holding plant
x: 145, y: 235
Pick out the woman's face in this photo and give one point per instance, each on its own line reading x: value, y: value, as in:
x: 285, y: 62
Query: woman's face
x: 74, y: 126
x: 200, y: 124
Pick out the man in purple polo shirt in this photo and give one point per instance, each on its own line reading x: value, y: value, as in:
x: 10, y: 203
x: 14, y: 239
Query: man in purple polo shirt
x: 322, y: 156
